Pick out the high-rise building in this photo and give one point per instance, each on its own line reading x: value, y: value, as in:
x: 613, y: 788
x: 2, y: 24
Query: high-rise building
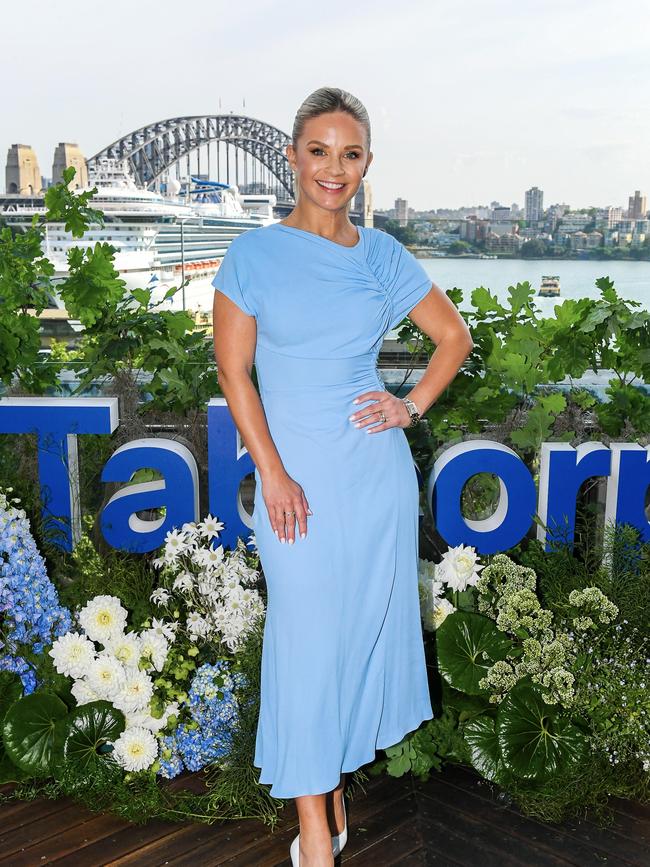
x: 637, y: 206
x: 22, y: 174
x: 68, y: 154
x: 363, y: 203
x: 402, y: 211
x: 534, y: 206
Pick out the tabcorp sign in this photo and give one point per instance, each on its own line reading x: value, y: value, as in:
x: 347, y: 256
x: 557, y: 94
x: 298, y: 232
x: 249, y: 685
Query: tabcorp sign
x: 57, y: 422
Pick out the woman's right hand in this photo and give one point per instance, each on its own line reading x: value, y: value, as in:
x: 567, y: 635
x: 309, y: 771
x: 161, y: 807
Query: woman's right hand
x: 282, y: 494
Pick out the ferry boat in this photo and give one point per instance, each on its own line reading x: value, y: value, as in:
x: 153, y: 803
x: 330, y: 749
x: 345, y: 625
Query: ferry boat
x: 160, y: 238
x: 550, y: 286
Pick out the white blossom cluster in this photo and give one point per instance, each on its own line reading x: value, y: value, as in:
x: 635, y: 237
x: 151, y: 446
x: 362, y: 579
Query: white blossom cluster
x: 208, y: 592
x: 457, y: 571
x: 118, y: 673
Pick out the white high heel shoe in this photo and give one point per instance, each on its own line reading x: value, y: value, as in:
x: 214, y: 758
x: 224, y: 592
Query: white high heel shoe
x: 338, y: 841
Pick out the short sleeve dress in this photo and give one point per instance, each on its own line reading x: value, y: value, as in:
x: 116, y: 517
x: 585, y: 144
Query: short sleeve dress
x: 343, y: 669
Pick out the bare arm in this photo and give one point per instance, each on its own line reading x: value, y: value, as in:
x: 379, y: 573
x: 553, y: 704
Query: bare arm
x: 235, y: 337
x: 438, y: 317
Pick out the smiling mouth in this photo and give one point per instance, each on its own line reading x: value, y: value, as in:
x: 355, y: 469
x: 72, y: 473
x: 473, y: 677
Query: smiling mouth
x: 330, y: 187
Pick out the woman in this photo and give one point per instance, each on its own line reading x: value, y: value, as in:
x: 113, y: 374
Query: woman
x: 309, y: 299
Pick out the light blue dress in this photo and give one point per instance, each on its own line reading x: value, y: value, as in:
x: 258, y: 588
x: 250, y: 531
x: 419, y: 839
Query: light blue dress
x: 343, y: 669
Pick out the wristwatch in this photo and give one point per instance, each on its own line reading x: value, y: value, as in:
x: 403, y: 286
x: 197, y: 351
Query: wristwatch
x: 413, y: 411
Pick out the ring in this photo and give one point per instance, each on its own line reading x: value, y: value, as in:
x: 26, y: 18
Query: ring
x: 289, y: 513
x: 383, y: 416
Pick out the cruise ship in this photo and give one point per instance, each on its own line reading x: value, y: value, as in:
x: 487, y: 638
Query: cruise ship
x: 160, y: 238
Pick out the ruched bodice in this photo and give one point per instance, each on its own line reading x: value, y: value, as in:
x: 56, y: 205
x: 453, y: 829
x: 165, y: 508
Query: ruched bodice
x: 343, y: 669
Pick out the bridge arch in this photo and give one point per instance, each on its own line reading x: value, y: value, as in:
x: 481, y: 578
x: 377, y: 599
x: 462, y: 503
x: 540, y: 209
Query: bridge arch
x: 155, y: 149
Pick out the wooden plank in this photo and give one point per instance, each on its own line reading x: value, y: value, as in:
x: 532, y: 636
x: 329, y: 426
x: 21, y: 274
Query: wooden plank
x: 573, y: 834
x: 69, y: 844
x: 397, y: 842
x: 125, y: 839
x: 33, y: 831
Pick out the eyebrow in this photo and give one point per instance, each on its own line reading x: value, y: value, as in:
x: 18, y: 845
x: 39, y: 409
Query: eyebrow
x: 315, y: 141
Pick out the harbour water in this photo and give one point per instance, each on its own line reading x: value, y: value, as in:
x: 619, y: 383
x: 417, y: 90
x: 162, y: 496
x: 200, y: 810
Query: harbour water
x: 577, y: 277
x: 577, y: 280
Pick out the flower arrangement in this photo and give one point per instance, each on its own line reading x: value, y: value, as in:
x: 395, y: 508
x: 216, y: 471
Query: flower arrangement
x: 30, y: 613
x: 152, y: 698
x: 531, y: 695
x: 206, y: 592
x: 119, y: 671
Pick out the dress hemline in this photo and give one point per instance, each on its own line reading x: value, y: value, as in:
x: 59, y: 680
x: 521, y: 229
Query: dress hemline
x: 355, y: 764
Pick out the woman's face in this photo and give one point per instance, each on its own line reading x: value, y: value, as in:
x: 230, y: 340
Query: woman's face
x: 332, y: 148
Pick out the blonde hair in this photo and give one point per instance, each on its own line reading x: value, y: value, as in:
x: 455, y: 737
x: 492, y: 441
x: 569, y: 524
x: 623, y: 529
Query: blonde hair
x: 327, y: 99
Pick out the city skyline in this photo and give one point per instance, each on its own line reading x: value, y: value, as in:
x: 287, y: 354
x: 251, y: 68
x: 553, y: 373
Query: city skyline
x: 473, y: 104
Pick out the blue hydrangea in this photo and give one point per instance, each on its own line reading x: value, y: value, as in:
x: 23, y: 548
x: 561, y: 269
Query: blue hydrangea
x: 30, y: 614
x: 207, y: 736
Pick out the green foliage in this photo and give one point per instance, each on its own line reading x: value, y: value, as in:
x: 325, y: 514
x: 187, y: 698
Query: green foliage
x: 85, y: 573
x: 536, y: 742
x: 468, y: 644
x: 87, y: 730
x: 29, y: 732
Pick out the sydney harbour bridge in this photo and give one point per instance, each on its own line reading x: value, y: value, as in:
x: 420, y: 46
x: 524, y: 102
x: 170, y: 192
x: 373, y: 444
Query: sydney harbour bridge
x: 231, y: 148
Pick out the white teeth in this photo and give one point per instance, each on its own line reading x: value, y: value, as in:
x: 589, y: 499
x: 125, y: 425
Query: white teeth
x: 330, y: 186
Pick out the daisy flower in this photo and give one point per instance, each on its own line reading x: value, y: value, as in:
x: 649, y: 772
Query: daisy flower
x: 72, y: 654
x: 136, y: 749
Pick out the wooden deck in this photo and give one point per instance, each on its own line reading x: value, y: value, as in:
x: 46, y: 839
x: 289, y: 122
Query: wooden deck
x: 454, y: 819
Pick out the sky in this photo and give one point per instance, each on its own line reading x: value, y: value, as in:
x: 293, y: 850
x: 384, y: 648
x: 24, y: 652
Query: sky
x: 470, y: 102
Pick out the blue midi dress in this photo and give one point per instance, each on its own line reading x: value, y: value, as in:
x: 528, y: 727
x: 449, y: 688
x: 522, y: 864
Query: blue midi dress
x: 343, y: 669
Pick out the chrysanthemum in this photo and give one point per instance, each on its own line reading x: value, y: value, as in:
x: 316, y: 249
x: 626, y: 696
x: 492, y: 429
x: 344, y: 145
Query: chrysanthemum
x: 106, y: 676
x: 440, y: 612
x: 82, y: 693
x: 72, y: 654
x: 103, y: 618
x: 458, y: 568
x: 126, y: 648
x: 136, y: 692
x: 136, y: 749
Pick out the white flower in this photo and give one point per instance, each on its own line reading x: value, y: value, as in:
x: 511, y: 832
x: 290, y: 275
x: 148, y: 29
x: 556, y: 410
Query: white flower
x: 143, y: 719
x: 209, y: 557
x: 136, y: 749
x: 136, y: 692
x: 106, y: 676
x: 165, y: 629
x: 176, y: 542
x: 458, y: 568
x: 103, y: 618
x: 160, y: 596
x: 126, y: 648
x: 196, y: 624
x: 190, y: 529
x: 207, y: 585
x: 210, y: 527
x: 183, y: 582
x: 441, y: 611
x: 154, y: 647
x: 72, y: 654
x: 82, y: 693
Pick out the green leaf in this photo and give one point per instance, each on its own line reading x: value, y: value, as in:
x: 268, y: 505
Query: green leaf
x: 29, y: 731
x: 11, y: 689
x: 9, y: 773
x: 481, y: 737
x: 536, y: 741
x: 88, y: 729
x: 468, y: 644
